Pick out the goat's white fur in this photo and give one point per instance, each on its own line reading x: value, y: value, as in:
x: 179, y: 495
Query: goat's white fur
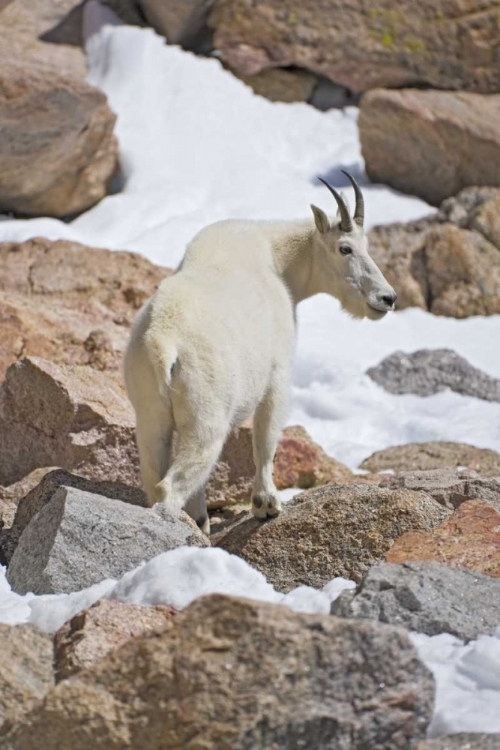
x: 215, y: 345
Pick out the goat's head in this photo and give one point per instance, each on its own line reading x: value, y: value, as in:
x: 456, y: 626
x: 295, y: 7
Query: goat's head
x: 347, y: 270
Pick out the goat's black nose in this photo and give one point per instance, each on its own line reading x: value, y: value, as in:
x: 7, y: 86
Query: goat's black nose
x: 389, y: 299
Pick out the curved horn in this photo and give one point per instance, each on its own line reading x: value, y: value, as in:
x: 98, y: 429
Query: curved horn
x: 345, y: 218
x: 359, y: 213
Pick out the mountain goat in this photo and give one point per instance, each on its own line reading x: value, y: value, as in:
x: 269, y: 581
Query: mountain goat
x: 215, y: 343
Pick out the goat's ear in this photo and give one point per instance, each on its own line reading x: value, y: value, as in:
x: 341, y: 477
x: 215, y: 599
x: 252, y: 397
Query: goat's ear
x: 320, y: 219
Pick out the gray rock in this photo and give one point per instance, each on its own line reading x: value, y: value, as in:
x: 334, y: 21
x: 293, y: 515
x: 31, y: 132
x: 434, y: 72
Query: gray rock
x: 26, y: 671
x: 42, y: 494
x: 235, y: 674
x: 463, y: 742
x: 449, y: 487
x: 430, y: 371
x: 79, y: 538
x: 425, y: 596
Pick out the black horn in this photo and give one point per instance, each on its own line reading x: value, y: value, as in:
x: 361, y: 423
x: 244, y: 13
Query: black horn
x: 345, y: 218
x: 359, y: 213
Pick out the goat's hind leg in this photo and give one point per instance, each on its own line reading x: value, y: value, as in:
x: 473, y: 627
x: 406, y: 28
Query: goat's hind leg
x: 268, y: 422
x: 197, y: 449
x: 154, y: 440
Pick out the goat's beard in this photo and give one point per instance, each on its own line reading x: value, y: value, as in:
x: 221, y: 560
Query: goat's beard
x: 357, y: 307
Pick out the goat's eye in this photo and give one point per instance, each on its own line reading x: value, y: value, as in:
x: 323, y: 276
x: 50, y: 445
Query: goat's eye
x: 345, y: 250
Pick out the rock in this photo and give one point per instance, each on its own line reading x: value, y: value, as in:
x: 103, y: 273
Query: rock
x: 448, y: 263
x: 66, y: 127
x: 241, y: 674
x: 71, y: 27
x: 282, y: 85
x: 92, y: 634
x: 38, y: 497
x: 182, y: 22
x: 462, y: 742
x: 430, y: 371
x: 70, y: 303
x: 331, y: 531
x: 26, y: 672
x: 448, y: 487
x: 360, y: 47
x: 72, y: 417
x: 399, y: 250
x: 463, y: 271
x: 23, y: 24
x: 426, y: 597
x: 299, y: 462
x: 469, y: 539
x: 79, y: 538
x: 434, y: 455
x: 430, y: 143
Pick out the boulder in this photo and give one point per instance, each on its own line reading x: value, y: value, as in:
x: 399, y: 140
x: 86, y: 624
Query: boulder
x: 331, y: 531
x: 430, y: 371
x: 299, y: 462
x: 41, y: 494
x: 430, y: 143
x: 182, y: 22
x: 26, y: 671
x: 462, y: 741
x: 427, y: 597
x: 449, y: 487
x: 232, y: 673
x: 62, y: 125
x: 92, y: 634
x: 79, y: 538
x: 70, y: 303
x: 469, y: 539
x: 282, y: 85
x: 363, y: 47
x: 448, y: 263
x: 434, y: 455
x: 73, y: 417
x: 23, y: 24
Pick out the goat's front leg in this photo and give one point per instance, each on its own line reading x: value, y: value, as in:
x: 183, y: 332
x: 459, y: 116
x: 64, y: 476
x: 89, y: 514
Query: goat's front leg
x: 268, y: 422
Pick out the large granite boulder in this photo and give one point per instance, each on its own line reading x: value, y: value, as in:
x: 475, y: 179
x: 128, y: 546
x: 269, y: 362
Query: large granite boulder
x: 434, y: 455
x: 447, y: 263
x: 331, y: 531
x: 470, y: 539
x: 26, y: 670
x: 58, y: 152
x: 364, y: 46
x: 430, y: 371
x: 92, y: 634
x: 70, y: 303
x: 79, y: 538
x: 427, y: 597
x: 235, y: 674
x: 430, y: 143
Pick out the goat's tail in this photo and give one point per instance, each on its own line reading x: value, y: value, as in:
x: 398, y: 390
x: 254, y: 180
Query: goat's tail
x: 163, y: 355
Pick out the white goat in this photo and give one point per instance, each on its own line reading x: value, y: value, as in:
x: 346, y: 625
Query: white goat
x: 215, y: 344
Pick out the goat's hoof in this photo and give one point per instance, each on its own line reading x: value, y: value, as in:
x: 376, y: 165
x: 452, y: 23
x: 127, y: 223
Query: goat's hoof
x: 266, y: 506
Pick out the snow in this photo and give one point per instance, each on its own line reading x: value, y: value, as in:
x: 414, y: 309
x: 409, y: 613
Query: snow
x: 174, y: 578
x: 197, y: 145
x: 467, y: 682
